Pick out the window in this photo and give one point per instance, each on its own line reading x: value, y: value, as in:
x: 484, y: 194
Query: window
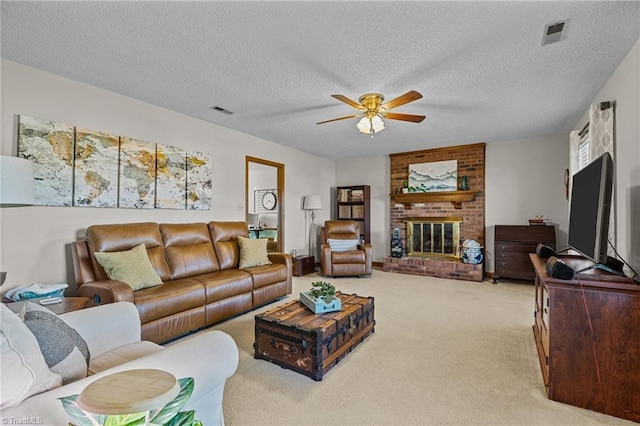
x: 584, y: 149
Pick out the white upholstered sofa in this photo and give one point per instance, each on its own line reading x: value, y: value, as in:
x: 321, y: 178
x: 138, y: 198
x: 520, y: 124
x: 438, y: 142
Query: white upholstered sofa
x: 112, y: 334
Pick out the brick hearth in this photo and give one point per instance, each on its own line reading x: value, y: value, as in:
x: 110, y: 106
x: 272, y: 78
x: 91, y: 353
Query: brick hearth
x: 443, y: 268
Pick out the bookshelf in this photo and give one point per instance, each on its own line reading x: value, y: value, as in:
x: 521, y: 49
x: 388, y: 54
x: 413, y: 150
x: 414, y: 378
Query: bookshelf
x: 353, y: 204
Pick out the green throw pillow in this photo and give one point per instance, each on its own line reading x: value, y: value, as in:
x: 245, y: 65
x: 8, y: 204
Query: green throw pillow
x: 130, y: 266
x: 253, y: 252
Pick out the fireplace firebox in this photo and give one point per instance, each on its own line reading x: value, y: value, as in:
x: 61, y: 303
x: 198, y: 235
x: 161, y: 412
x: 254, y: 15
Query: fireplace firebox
x: 434, y: 237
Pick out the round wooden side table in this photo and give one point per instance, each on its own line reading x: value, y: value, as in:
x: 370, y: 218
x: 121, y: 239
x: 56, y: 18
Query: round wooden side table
x: 128, y: 392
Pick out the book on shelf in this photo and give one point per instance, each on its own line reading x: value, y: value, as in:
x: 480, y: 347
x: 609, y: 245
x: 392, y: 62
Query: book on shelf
x: 344, y: 195
x: 344, y: 212
x: 357, y: 212
x: 357, y: 195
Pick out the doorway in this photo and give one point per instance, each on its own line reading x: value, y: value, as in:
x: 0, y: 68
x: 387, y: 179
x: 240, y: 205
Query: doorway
x: 264, y: 199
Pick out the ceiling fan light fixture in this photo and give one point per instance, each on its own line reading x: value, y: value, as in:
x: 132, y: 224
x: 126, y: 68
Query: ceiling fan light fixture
x: 370, y: 125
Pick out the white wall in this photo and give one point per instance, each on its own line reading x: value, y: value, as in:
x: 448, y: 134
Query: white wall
x: 624, y: 88
x: 525, y: 178
x: 33, y: 239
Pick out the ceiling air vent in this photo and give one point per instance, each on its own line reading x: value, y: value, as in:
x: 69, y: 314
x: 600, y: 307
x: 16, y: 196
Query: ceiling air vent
x: 555, y: 32
x: 220, y: 109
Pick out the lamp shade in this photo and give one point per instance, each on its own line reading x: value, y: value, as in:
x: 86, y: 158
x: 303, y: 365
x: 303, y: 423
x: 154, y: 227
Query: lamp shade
x: 312, y: 202
x: 16, y: 182
x: 364, y: 125
x: 377, y: 123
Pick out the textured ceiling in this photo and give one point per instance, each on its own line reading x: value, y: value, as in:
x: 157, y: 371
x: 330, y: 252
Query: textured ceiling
x: 480, y: 65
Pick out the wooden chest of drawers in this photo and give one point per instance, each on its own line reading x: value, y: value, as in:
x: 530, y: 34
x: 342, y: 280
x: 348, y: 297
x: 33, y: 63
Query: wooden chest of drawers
x: 513, y: 243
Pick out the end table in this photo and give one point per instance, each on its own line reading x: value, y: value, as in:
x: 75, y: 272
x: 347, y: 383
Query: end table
x: 67, y: 304
x: 303, y: 265
x: 129, y: 392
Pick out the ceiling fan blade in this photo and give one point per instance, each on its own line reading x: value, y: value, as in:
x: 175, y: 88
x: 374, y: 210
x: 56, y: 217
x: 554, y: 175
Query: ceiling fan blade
x: 348, y: 101
x: 401, y: 100
x: 405, y: 117
x: 340, y: 118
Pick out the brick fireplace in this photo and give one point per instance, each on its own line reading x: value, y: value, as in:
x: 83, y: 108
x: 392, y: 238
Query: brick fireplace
x: 420, y: 208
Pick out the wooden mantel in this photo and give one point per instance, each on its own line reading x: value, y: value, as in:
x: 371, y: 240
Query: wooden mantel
x: 455, y: 197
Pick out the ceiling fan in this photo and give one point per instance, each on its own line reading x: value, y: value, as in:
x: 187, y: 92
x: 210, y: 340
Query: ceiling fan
x: 373, y: 110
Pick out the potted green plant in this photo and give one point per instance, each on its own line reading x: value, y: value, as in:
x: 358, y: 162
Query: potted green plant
x: 321, y: 298
x: 321, y: 289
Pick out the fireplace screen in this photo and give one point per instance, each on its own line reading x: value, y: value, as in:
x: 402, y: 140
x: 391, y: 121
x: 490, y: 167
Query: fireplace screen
x: 434, y: 237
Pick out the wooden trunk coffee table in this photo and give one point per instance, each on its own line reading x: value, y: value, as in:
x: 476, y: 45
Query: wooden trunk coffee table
x: 293, y: 337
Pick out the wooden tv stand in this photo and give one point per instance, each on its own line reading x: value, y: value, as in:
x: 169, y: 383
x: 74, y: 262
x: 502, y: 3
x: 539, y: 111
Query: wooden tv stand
x: 587, y: 333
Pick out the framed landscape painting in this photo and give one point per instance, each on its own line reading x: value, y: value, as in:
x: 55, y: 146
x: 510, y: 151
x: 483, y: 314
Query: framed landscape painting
x: 434, y: 176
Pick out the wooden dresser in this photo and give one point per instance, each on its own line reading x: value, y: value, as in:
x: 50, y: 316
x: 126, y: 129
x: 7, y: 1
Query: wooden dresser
x: 513, y: 243
x: 587, y: 333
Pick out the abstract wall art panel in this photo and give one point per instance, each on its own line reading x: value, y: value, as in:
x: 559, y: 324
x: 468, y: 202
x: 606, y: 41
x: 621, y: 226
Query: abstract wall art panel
x: 137, y: 174
x: 88, y: 168
x: 49, y: 146
x: 171, y: 177
x: 96, y: 169
x: 199, y: 180
x: 434, y: 176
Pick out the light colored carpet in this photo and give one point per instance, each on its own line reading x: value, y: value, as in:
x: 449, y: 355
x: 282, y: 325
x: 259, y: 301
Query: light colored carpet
x: 443, y: 352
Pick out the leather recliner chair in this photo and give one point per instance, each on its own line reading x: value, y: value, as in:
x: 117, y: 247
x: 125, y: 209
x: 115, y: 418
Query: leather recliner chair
x: 349, y: 256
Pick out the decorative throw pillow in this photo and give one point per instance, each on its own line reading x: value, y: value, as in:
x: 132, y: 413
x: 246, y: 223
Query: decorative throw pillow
x: 24, y: 371
x: 130, y: 266
x: 64, y: 350
x: 253, y: 252
x: 342, y: 245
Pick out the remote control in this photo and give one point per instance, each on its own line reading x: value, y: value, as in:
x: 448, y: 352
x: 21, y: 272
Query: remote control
x: 50, y: 301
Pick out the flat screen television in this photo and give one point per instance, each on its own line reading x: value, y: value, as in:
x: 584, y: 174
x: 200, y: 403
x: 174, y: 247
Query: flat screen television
x: 590, y: 209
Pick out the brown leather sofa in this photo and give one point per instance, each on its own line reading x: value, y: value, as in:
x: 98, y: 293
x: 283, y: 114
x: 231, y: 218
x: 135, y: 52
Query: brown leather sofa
x: 344, y: 263
x: 198, y: 265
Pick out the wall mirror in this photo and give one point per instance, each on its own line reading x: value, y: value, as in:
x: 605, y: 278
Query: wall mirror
x: 264, y: 201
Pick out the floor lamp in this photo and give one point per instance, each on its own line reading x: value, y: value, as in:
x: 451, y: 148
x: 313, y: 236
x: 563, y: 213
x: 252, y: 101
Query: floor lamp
x: 311, y: 203
x: 16, y: 186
